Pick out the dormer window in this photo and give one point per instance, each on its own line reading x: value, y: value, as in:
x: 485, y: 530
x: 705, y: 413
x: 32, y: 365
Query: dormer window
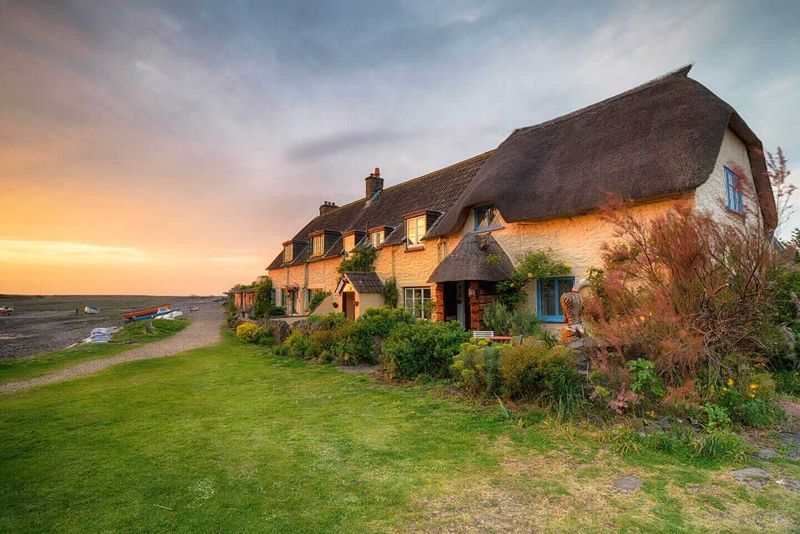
x: 485, y: 218
x: 415, y: 230
x: 288, y: 252
x: 318, y: 245
x: 349, y: 243
x: 734, y: 199
x: 376, y: 238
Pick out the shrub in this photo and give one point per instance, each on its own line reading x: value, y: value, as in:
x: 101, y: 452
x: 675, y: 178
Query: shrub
x: 247, y: 332
x: 422, y: 348
x: 231, y: 316
x: 530, y: 266
x: 277, y: 311
x: 299, y: 345
x: 750, y: 402
x: 361, y: 259
x: 390, y: 292
x: 644, y: 379
x: 690, y: 294
x: 476, y: 368
x: 262, y: 306
x: 536, y: 371
x: 369, y: 331
x: 265, y: 337
x: 718, y: 444
x: 787, y: 382
x: 329, y: 321
x: 497, y: 318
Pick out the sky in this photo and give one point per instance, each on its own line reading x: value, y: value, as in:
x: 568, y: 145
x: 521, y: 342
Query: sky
x: 171, y: 147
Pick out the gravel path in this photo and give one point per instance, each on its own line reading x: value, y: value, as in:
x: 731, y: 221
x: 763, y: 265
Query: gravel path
x: 203, y: 330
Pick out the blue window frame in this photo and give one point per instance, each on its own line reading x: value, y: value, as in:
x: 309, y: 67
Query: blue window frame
x: 734, y: 200
x: 484, y: 218
x: 548, y: 297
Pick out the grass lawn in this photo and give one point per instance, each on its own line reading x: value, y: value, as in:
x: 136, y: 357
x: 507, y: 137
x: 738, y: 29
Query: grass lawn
x: 13, y: 370
x: 232, y: 439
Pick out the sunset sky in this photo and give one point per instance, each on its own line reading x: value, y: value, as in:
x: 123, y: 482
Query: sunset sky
x: 170, y: 147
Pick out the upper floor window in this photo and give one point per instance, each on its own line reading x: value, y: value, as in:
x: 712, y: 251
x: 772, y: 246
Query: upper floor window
x: 548, y: 297
x: 376, y: 238
x: 349, y: 243
x: 415, y: 230
x: 287, y: 253
x: 318, y: 245
x: 485, y: 218
x: 734, y: 199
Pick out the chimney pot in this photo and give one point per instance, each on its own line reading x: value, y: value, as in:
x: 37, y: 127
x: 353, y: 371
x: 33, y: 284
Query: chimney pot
x: 374, y: 184
x: 327, y: 206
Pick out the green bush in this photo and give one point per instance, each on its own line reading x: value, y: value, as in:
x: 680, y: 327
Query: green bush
x: 644, y: 379
x: 247, y: 332
x: 265, y: 337
x: 536, y: 371
x: 422, y: 348
x: 299, y: 345
x: 476, y: 368
x: 371, y: 329
x: 750, y: 402
x: 329, y: 321
x: 497, y: 317
x: 231, y: 316
x: 787, y: 382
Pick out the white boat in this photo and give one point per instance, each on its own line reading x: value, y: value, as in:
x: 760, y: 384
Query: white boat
x: 6, y: 310
x: 91, y: 310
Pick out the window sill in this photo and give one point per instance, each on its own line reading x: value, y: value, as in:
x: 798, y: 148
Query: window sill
x: 740, y: 214
x: 414, y: 248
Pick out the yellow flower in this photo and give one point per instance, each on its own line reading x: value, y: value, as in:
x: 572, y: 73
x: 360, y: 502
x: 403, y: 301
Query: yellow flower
x: 753, y: 386
x: 730, y: 382
x: 752, y: 395
x: 530, y: 275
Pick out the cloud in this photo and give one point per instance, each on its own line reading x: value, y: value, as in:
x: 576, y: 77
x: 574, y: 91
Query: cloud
x: 346, y: 141
x: 31, y: 252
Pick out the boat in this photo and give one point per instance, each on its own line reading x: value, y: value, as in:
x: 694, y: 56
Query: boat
x: 91, y: 310
x: 159, y: 313
x: 6, y: 310
x: 130, y: 316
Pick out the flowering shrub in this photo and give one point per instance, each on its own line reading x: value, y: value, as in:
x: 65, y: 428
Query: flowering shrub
x: 476, y: 369
x: 533, y: 265
x: 247, y: 332
x: 691, y: 295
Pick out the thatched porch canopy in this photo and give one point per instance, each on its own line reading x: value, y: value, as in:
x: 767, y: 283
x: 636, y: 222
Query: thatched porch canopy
x: 477, y: 257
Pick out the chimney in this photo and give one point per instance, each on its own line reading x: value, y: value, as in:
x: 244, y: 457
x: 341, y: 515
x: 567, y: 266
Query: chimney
x: 327, y: 206
x: 374, y: 184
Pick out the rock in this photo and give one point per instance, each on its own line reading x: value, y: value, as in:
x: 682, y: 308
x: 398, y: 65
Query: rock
x: 280, y: 329
x: 628, y: 484
x: 766, y: 454
x: 754, y: 477
x: 792, y: 484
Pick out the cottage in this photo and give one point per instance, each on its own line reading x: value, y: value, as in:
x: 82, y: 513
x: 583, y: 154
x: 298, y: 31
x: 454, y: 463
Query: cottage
x: 447, y: 237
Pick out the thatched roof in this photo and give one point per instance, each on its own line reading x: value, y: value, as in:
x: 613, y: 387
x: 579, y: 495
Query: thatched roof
x: 658, y: 140
x: 435, y: 191
x: 476, y: 257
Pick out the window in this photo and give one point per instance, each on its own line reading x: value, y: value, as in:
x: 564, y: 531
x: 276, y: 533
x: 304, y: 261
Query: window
x: 273, y: 297
x: 417, y: 301
x: 287, y: 253
x: 318, y: 245
x: 349, y: 243
x: 548, y: 296
x: 415, y: 229
x: 734, y: 200
x: 485, y: 218
x: 283, y: 298
x: 376, y: 238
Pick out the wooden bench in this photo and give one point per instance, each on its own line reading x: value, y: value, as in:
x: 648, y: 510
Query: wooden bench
x: 483, y: 334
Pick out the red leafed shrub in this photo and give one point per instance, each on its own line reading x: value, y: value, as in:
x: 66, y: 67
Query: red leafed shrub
x: 696, y: 297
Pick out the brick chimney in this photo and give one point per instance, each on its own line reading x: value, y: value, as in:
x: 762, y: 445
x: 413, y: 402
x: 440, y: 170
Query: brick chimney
x: 327, y: 206
x: 374, y: 184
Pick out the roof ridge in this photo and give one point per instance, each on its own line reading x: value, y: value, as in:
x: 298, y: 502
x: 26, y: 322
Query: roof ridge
x: 681, y: 72
x: 410, y: 180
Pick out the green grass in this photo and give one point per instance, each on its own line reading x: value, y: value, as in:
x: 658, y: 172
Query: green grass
x: 12, y: 370
x: 233, y: 439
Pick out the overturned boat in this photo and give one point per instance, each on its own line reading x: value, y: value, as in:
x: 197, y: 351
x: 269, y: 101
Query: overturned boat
x: 137, y: 315
x: 91, y: 310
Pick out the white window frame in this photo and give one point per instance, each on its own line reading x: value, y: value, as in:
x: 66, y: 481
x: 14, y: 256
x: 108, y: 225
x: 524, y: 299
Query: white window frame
x: 415, y: 230
x: 318, y: 245
x: 415, y: 299
x: 288, y: 253
x: 376, y: 238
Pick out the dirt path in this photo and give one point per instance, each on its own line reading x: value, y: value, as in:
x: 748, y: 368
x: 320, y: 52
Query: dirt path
x: 203, y: 330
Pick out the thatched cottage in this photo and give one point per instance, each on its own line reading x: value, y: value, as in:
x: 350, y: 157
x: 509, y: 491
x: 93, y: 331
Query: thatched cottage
x: 668, y: 141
